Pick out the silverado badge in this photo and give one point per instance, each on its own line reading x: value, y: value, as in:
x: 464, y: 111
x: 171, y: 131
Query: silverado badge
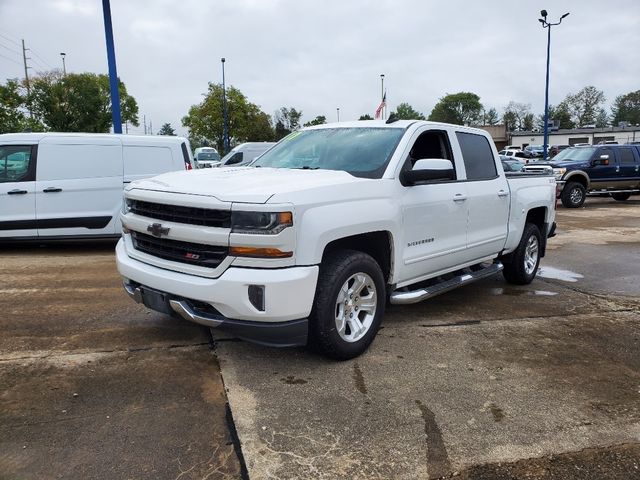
x: 157, y: 230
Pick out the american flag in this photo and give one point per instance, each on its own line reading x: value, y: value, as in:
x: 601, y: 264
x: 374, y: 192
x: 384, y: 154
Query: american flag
x: 383, y: 104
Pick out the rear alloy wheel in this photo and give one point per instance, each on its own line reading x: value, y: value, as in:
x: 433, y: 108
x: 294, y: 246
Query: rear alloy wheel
x: 621, y: 196
x: 349, y: 304
x: 573, y: 195
x: 521, y: 266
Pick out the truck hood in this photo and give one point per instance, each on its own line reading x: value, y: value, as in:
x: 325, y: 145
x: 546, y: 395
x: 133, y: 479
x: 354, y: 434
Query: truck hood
x: 563, y: 164
x: 244, y: 184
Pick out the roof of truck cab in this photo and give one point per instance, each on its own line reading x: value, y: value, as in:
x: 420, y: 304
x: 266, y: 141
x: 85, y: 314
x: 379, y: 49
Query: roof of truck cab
x: 404, y: 124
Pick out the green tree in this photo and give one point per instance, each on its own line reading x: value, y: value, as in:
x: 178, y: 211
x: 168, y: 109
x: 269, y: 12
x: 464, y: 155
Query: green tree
x: 205, y: 120
x: 560, y: 115
x: 78, y: 102
x: 583, y: 107
x: 516, y: 113
x: 463, y: 108
x: 602, y: 119
x: 166, y: 129
x: 404, y: 111
x: 626, y: 108
x: 319, y: 120
x: 366, y: 116
x: 286, y: 120
x: 13, y: 110
x: 491, y: 117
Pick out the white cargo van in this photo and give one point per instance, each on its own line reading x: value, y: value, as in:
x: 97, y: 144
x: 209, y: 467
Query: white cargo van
x: 245, y: 153
x: 67, y: 185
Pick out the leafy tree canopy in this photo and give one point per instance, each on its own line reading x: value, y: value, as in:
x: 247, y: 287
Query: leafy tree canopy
x: 319, y: 120
x: 404, y: 111
x: 286, y: 120
x: 13, y: 111
x: 366, y: 116
x: 166, y: 129
x: 583, y: 107
x: 626, y: 108
x: 463, y: 108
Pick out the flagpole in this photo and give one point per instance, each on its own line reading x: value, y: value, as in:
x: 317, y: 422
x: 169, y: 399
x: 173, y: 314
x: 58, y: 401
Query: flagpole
x: 382, y: 95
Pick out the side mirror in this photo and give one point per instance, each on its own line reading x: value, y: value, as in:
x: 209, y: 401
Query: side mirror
x: 427, y: 169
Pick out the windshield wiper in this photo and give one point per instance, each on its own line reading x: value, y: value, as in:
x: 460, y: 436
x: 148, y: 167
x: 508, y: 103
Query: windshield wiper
x: 306, y: 167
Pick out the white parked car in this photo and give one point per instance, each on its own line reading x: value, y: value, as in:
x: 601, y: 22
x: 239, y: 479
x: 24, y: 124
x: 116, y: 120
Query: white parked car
x: 244, y: 154
x: 307, y: 244
x: 66, y: 185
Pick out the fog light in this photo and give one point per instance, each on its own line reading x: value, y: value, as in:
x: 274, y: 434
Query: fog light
x: 256, y: 296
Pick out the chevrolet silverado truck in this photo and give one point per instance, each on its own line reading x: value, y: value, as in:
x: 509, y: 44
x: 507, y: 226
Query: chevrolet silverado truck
x: 307, y: 245
x: 613, y: 169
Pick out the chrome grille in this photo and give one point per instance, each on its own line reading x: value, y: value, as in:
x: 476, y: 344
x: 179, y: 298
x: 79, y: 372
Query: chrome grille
x: 209, y: 256
x: 180, y: 214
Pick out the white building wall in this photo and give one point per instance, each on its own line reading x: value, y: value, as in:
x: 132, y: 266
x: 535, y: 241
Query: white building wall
x: 568, y: 137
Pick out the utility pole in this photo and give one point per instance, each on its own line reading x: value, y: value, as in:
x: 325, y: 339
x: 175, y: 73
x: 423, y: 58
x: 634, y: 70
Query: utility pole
x: 150, y: 127
x: 64, y: 66
x: 144, y: 120
x: 26, y: 73
x: 116, y: 117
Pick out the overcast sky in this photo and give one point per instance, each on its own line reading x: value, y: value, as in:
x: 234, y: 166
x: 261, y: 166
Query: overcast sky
x: 319, y: 55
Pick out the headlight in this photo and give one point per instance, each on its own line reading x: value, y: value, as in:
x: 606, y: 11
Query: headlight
x: 559, y: 172
x: 265, y: 223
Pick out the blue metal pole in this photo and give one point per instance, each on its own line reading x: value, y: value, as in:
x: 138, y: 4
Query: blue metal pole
x: 113, y: 74
x: 545, y: 147
x: 225, y: 119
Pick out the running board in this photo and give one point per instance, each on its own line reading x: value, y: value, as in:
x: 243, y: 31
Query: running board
x: 415, y: 296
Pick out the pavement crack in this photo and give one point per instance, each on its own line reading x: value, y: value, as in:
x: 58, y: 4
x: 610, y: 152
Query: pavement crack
x: 358, y: 378
x: 438, y: 462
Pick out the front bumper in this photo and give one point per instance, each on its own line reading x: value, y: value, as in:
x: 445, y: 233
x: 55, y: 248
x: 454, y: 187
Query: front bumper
x: 275, y: 334
x: 224, y: 301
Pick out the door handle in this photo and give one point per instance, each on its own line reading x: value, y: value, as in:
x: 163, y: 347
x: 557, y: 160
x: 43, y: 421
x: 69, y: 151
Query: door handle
x: 52, y: 190
x: 458, y: 197
x: 502, y: 193
x: 16, y: 191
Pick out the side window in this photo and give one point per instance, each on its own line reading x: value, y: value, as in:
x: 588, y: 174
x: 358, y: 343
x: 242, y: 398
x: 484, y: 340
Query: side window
x: 626, y: 156
x: 236, y: 158
x: 477, y: 156
x: 430, y: 144
x: 607, y: 151
x: 17, y: 163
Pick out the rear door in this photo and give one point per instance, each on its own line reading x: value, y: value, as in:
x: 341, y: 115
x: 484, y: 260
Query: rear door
x: 79, y: 186
x: 17, y: 191
x: 488, y: 197
x: 629, y: 167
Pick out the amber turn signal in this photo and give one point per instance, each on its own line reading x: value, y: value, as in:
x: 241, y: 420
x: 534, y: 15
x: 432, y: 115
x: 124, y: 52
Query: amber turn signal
x: 255, y: 252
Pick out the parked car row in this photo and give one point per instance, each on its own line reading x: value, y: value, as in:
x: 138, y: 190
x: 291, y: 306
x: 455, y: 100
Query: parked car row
x: 240, y: 155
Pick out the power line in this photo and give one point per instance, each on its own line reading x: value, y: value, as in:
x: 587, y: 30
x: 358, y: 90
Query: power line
x: 36, y: 54
x: 10, y: 49
x: 10, y: 59
x: 9, y: 39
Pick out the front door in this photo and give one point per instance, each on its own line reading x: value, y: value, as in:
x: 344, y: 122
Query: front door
x: 606, y: 173
x: 17, y: 191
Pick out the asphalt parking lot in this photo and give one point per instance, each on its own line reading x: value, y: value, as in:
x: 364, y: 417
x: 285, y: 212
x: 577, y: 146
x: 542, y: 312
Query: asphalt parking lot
x: 489, y: 381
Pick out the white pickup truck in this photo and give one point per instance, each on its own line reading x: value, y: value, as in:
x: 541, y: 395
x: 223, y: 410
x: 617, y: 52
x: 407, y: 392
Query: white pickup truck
x: 306, y: 245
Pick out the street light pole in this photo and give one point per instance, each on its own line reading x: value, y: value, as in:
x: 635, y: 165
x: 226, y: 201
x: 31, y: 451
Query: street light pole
x: 382, y: 93
x: 548, y: 25
x: 64, y: 67
x: 225, y: 128
x: 338, y: 112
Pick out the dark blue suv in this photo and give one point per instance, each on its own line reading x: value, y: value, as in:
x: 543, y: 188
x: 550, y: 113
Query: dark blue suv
x: 608, y: 168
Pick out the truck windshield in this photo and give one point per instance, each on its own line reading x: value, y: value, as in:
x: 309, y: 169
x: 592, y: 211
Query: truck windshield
x: 362, y: 152
x: 576, y: 153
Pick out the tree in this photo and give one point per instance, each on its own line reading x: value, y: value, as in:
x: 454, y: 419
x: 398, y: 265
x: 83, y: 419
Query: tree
x: 286, y: 120
x: 319, y: 120
x: 13, y: 110
x: 166, y: 129
x: 404, y: 111
x: 491, y: 117
x: 463, y: 108
x: 583, y: 107
x: 528, y: 122
x: 626, y: 108
x: 78, y: 102
x: 247, y: 122
x: 602, y: 120
x: 515, y: 114
x: 366, y: 116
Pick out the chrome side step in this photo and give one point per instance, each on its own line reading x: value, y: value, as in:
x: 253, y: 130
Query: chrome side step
x: 415, y: 296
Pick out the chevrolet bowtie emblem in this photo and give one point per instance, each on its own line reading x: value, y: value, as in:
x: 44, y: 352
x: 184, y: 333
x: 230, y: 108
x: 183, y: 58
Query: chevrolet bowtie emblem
x: 157, y: 230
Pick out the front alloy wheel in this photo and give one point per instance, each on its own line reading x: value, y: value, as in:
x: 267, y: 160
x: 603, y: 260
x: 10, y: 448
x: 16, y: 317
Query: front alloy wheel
x: 356, y: 307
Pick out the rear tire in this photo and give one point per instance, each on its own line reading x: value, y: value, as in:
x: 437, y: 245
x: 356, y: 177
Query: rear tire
x: 349, y: 305
x: 621, y: 196
x: 573, y: 195
x: 521, y: 266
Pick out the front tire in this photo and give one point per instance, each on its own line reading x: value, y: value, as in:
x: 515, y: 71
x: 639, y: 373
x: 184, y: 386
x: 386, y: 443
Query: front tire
x: 621, y: 196
x: 521, y: 266
x: 573, y: 195
x: 349, y: 304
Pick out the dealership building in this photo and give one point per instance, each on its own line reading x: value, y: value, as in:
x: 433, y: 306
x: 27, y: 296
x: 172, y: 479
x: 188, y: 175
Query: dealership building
x: 591, y: 136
